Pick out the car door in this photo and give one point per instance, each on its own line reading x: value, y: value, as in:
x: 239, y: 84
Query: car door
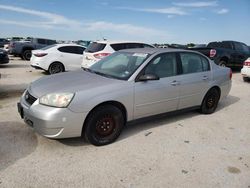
x: 194, y: 80
x: 157, y: 96
x: 71, y: 56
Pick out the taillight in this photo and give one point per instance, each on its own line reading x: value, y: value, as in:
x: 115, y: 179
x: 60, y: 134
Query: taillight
x: 247, y: 63
x: 212, y: 53
x: 101, y: 55
x: 231, y: 74
x: 40, y: 54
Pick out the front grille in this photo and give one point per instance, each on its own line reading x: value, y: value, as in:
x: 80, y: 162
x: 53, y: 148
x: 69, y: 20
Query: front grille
x: 29, y: 98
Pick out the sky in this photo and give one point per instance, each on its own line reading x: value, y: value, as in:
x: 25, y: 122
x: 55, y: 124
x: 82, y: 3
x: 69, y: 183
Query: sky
x: 152, y: 21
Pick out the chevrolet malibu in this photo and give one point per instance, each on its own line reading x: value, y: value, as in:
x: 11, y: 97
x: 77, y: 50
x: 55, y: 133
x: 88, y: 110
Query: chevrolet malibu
x: 97, y: 102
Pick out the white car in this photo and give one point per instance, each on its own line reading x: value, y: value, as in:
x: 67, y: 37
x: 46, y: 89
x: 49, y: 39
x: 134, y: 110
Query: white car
x: 58, y: 58
x: 245, y: 71
x: 100, y: 49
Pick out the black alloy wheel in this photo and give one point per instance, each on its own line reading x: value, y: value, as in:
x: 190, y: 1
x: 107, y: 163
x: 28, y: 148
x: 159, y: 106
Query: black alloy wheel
x: 210, y: 101
x: 104, y: 125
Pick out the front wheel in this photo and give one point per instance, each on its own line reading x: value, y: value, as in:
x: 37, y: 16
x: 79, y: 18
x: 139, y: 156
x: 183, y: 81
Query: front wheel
x: 104, y: 125
x: 210, y: 101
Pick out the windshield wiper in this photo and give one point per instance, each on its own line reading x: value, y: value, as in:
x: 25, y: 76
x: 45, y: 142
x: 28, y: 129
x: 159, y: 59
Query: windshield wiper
x: 99, y: 73
x: 103, y: 74
x: 87, y: 69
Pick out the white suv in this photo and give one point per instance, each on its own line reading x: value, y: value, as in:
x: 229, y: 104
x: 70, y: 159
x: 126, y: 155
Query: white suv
x: 100, y: 49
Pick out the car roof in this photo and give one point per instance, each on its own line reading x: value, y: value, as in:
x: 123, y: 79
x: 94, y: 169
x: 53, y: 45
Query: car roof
x: 117, y: 42
x: 68, y: 44
x: 154, y: 50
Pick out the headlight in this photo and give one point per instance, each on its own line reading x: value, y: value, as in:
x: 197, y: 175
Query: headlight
x: 60, y: 100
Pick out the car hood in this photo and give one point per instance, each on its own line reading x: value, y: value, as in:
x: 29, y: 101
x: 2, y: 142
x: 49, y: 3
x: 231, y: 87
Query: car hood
x: 69, y: 82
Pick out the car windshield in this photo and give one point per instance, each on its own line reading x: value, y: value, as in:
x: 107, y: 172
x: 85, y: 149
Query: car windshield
x: 119, y: 65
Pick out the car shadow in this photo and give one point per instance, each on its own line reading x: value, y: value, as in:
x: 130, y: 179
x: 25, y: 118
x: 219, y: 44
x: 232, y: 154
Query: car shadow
x: 16, y: 142
x: 74, y: 141
x: 144, y: 124
x: 138, y: 126
x: 12, y: 91
x: 236, y: 69
x: 9, y: 65
x: 229, y: 100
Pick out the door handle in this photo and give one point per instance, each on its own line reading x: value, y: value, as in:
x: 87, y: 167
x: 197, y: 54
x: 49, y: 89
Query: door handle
x: 175, y: 83
x: 205, y: 78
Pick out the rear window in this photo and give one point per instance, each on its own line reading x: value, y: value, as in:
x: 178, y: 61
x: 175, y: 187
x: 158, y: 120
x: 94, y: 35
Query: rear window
x: 48, y: 47
x: 41, y: 41
x: 223, y: 44
x: 72, y: 49
x: 95, y: 47
x: 50, y: 42
x: 118, y: 47
x: 122, y: 46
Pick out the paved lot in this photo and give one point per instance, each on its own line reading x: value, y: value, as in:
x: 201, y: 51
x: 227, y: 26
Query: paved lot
x: 184, y: 150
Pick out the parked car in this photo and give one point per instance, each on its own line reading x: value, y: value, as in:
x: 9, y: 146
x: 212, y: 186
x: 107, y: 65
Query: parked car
x: 4, y: 58
x: 100, y: 49
x: 24, y: 48
x: 58, y: 58
x: 245, y: 71
x: 3, y: 41
x: 97, y: 102
x: 226, y: 53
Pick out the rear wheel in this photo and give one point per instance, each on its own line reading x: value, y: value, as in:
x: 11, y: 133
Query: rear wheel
x: 210, y: 101
x: 104, y: 125
x: 222, y: 63
x: 245, y: 79
x: 26, y: 55
x: 56, y: 68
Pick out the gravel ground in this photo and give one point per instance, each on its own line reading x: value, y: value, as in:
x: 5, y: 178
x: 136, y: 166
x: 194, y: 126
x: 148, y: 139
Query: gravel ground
x: 182, y: 150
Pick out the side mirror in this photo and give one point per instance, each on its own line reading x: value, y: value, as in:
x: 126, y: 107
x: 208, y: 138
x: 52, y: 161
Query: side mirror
x: 148, y: 77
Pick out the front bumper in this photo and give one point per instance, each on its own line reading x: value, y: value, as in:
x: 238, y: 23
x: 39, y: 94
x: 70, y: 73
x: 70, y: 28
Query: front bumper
x: 51, y: 122
x: 4, y: 61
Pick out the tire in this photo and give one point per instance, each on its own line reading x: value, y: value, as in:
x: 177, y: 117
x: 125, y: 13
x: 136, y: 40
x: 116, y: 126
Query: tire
x: 222, y: 63
x: 26, y: 55
x: 210, y: 101
x: 56, y: 68
x: 103, y: 125
x: 245, y: 79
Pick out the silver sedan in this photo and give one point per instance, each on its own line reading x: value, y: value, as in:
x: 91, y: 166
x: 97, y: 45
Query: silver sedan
x: 97, y: 102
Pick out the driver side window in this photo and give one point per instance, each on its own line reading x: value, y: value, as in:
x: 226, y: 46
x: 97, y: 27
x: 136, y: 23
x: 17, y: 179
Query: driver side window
x: 163, y: 66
